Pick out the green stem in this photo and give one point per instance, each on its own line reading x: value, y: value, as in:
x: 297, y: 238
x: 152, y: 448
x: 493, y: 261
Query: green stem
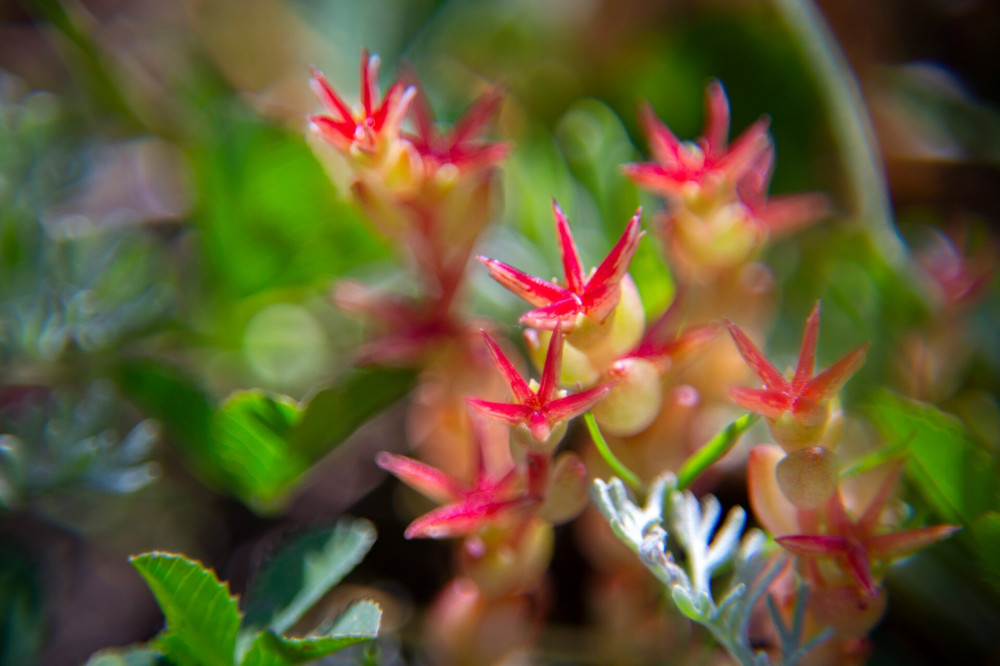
x: 617, y: 466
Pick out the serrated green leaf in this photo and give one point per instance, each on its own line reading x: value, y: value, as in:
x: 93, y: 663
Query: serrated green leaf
x: 303, y: 571
x: 337, y: 411
x: 713, y: 450
x: 953, y: 473
x: 357, y: 624
x: 202, y: 618
x: 135, y: 656
x: 251, y: 434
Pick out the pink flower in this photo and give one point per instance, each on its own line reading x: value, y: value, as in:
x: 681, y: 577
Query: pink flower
x: 365, y: 128
x: 854, y: 544
x: 776, y: 215
x: 459, y: 146
x: 684, y: 168
x: 488, y: 499
x: 562, y: 307
x: 538, y: 410
x: 805, y: 397
x: 663, y: 344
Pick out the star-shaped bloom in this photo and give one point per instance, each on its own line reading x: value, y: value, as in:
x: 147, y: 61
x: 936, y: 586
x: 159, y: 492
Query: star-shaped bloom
x: 693, y: 168
x: 364, y: 128
x: 664, y: 343
x: 459, y: 146
x: 560, y: 306
x: 805, y: 397
x: 542, y: 409
x: 776, y: 215
x: 492, y: 496
x: 854, y: 545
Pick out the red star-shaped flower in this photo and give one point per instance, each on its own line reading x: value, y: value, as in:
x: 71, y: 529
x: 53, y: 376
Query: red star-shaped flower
x: 459, y: 146
x: 561, y: 307
x: 538, y: 410
x: 805, y: 397
x: 855, y: 544
x: 345, y: 128
x: 685, y: 168
x: 488, y: 499
x: 781, y: 214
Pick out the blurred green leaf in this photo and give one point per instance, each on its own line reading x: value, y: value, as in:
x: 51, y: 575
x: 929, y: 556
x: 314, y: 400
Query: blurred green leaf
x: 303, y: 571
x: 986, y: 535
x: 22, y: 617
x: 954, y: 474
x: 338, y: 410
x: 359, y: 623
x: 713, y: 450
x: 251, y: 436
x: 202, y: 618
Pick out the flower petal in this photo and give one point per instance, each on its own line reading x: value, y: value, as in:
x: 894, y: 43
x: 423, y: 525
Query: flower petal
x: 717, y: 118
x: 815, y: 545
x: 522, y: 392
x: 553, y: 366
x: 807, y: 355
x: 662, y: 142
x: 767, y: 373
x: 464, y: 517
x: 536, y: 291
x: 561, y: 315
x: 510, y: 413
x: 892, y: 546
x: 616, y: 264
x: 428, y: 481
x: 826, y: 384
x: 771, y: 404
x: 566, y: 408
x: 567, y: 249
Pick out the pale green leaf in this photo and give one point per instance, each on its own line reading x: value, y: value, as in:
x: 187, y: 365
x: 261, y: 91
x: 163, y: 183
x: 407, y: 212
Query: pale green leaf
x: 202, y: 618
x: 713, y: 450
x: 303, y: 571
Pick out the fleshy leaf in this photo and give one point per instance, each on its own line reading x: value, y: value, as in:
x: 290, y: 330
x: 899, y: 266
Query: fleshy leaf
x: 202, y: 618
x: 713, y: 450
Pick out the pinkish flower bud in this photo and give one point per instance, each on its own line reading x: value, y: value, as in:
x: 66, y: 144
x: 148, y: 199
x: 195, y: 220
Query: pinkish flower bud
x: 508, y: 562
x: 568, y: 490
x: 808, y: 476
x: 634, y: 400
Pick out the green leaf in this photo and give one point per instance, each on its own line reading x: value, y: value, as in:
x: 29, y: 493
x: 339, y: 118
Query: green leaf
x: 336, y: 412
x: 177, y: 401
x: 303, y: 571
x: 202, y: 618
x: 986, y: 535
x: 954, y: 474
x: 357, y: 624
x: 616, y: 465
x: 713, y: 450
x: 251, y: 435
x: 135, y: 656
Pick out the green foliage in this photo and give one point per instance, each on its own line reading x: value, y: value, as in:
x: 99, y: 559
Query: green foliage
x: 953, y: 473
x: 703, y: 550
x: 203, y: 622
x: 713, y: 450
x: 258, y: 445
x: 302, y: 572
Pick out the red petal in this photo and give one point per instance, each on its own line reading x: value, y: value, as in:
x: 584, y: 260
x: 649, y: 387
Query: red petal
x: 475, y: 118
x: 510, y: 413
x: 717, y: 118
x: 827, y: 383
x: 567, y: 248
x: 428, y: 481
x: 807, y: 356
x: 536, y: 291
x: 869, y: 520
x: 326, y: 94
x: 781, y: 215
x: 745, y: 151
x: 338, y: 132
x: 616, y: 264
x: 522, y: 392
x: 369, y: 77
x: 654, y: 176
x: 599, y: 303
x: 560, y: 315
x: 761, y: 366
x: 772, y: 404
x: 814, y: 545
x: 566, y: 408
x: 891, y: 546
x: 553, y: 367
x: 662, y: 142
x: 857, y: 560
x: 463, y: 517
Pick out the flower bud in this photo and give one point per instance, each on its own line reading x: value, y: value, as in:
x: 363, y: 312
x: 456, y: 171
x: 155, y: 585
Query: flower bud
x: 603, y: 342
x: 501, y: 564
x: 807, y: 477
x: 567, y: 493
x: 634, y: 401
x: 796, y: 430
x: 576, y: 367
